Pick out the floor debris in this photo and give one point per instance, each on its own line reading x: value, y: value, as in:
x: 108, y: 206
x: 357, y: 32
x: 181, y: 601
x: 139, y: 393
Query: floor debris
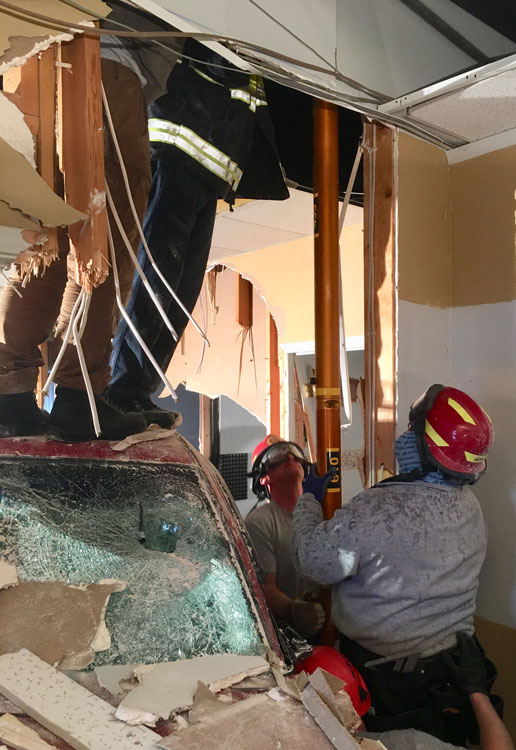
x: 256, y: 723
x: 65, y: 708
x: 66, y: 626
x: 171, y: 686
x: 205, y: 702
x: 20, y: 737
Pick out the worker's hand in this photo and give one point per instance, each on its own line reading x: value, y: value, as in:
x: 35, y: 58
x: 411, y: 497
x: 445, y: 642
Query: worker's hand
x: 469, y: 674
x: 317, y: 485
x: 306, y: 617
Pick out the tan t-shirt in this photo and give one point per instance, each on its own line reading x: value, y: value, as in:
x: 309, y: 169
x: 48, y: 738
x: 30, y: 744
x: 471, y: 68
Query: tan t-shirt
x: 270, y: 529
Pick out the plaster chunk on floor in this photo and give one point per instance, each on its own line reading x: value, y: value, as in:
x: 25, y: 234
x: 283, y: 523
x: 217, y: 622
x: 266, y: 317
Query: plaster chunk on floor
x: 63, y: 625
x: 8, y: 575
x: 256, y: 723
x: 171, y: 686
x: 19, y: 736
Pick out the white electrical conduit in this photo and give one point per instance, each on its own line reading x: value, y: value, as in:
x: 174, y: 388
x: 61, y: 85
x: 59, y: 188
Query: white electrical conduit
x: 142, y: 237
x: 127, y: 317
x: 79, y: 313
x: 344, y: 370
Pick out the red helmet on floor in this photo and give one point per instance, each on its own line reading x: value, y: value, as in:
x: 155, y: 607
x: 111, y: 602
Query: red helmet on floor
x: 454, y: 433
x: 335, y: 663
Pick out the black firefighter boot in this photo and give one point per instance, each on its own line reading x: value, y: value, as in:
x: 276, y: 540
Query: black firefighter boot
x: 71, y: 421
x: 20, y: 415
x: 153, y: 413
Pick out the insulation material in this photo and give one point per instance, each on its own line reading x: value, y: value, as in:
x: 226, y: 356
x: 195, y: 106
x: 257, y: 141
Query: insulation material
x: 255, y: 724
x: 8, y: 575
x: 171, y: 686
x: 20, y: 737
x: 149, y: 525
x: 66, y: 626
x: 20, y: 39
x: 70, y: 711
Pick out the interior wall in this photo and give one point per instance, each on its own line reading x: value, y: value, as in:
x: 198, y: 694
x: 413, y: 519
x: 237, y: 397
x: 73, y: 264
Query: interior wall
x: 283, y: 275
x: 214, y: 370
x: 457, y: 325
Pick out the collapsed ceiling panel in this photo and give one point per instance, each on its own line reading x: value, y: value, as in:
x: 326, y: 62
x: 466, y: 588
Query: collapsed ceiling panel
x: 475, y: 112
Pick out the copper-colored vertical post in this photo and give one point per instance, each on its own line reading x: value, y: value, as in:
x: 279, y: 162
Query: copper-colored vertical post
x: 274, y: 379
x: 326, y: 278
x: 327, y: 328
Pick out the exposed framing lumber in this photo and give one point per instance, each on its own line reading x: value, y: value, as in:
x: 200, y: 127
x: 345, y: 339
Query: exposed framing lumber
x: 244, y: 302
x: 274, y: 411
x: 82, y: 156
x: 380, y: 300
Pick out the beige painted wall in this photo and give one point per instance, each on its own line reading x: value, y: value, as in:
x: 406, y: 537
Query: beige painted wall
x: 457, y: 253
x: 424, y: 224
x: 283, y: 274
x: 483, y: 199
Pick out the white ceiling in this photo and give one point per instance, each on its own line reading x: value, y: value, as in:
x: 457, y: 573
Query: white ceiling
x: 260, y: 224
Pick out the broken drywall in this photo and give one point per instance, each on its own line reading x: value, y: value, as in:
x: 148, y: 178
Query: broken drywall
x: 15, y: 131
x: 66, y: 625
x: 171, y: 686
x: 21, y: 187
x: 8, y: 575
x: 12, y: 217
x: 254, y: 724
x: 22, y: 38
x: 68, y: 710
x: 19, y: 736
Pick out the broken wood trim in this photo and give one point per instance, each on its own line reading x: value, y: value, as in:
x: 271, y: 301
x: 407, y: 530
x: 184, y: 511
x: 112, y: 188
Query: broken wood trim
x: 274, y: 411
x: 379, y: 300
x: 244, y: 302
x: 205, y: 425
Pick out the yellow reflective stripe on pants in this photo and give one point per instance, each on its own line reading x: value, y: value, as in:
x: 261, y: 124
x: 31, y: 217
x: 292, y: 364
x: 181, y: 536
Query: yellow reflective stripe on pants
x: 187, y: 140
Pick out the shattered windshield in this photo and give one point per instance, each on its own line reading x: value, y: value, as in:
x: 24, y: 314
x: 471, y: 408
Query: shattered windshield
x: 149, y: 525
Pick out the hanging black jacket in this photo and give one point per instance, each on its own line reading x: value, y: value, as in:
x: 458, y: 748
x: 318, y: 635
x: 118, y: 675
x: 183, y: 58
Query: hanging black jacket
x: 215, y: 123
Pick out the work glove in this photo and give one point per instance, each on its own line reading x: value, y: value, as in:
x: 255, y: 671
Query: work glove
x: 307, y: 618
x: 317, y: 485
x: 469, y: 674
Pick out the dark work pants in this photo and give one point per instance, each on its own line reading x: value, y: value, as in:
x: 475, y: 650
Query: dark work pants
x: 178, y: 228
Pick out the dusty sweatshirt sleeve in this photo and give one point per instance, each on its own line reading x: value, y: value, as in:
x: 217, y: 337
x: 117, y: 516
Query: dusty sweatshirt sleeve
x: 327, y: 551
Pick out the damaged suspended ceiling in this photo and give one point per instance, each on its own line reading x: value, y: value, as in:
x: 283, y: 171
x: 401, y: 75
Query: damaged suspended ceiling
x: 386, y: 58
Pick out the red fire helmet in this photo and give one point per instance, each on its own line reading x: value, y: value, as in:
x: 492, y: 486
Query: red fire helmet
x: 454, y: 432
x: 335, y: 663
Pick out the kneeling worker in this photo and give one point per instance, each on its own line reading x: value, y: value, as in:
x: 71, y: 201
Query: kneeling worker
x: 278, y: 470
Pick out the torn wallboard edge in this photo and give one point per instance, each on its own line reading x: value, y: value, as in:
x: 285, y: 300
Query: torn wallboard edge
x: 65, y: 708
x: 21, y: 39
x: 338, y: 735
x: 205, y: 702
x: 67, y: 624
x: 366, y: 743
x: 153, y: 432
x: 19, y: 736
x: 15, y: 131
x: 22, y: 188
x: 171, y: 686
x: 8, y: 575
x: 111, y: 677
x: 330, y: 690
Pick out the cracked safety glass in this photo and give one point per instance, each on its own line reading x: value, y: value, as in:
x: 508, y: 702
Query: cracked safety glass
x: 150, y: 525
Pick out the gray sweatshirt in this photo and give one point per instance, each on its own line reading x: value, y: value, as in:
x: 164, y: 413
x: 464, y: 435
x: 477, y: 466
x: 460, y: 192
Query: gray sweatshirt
x: 403, y: 560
